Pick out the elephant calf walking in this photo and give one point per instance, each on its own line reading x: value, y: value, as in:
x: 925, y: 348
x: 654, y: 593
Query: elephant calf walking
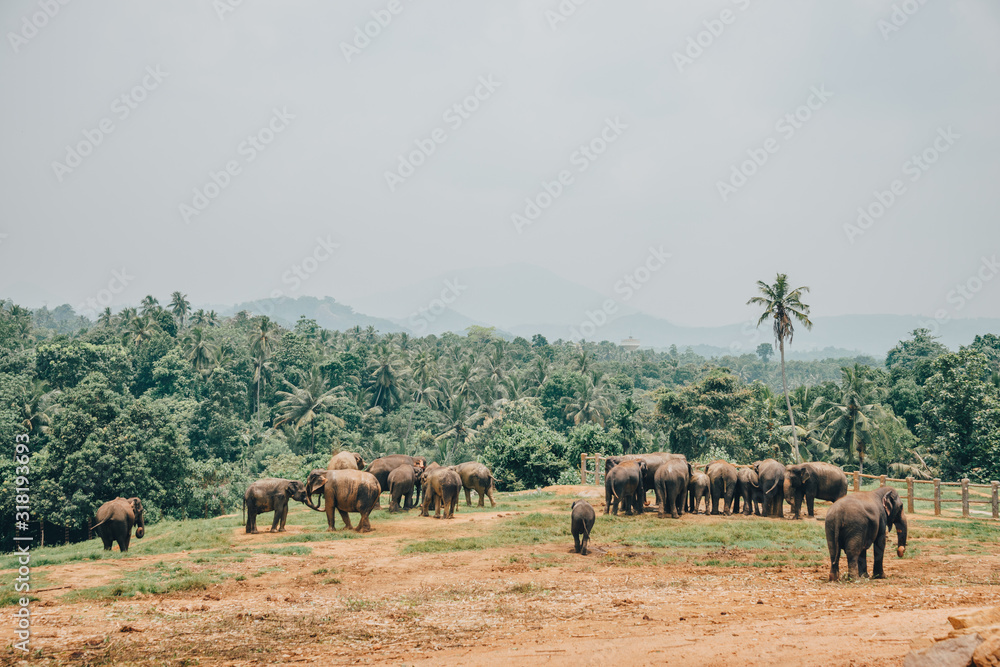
x: 581, y: 523
x: 115, y: 519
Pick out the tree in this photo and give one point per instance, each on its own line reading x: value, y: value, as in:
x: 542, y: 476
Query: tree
x: 588, y: 404
x: 305, y: 402
x: 200, y: 350
x: 855, y: 420
x: 520, y: 450
x: 626, y: 423
x: 180, y: 306
x: 764, y: 351
x: 149, y: 304
x: 783, y: 305
x: 139, y: 330
x: 262, y: 341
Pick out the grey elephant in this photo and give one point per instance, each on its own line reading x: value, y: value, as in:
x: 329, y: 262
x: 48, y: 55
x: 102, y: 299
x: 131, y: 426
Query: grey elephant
x: 862, y: 520
x: 698, y: 489
x: 653, y: 461
x: 344, y: 491
x: 476, y: 477
x: 381, y: 467
x: 271, y: 495
x: 771, y: 477
x: 441, y: 487
x: 115, y: 519
x: 814, y: 480
x: 722, y: 484
x: 433, y: 465
x: 401, y: 483
x: 581, y: 522
x: 671, y: 485
x: 747, y: 490
x: 346, y: 461
x: 623, y: 485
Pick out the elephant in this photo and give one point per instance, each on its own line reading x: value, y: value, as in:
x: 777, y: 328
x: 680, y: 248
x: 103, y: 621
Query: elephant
x: 115, y: 519
x: 698, y: 488
x: 580, y: 524
x: 271, y: 495
x: 433, y: 465
x: 441, y: 487
x: 476, y: 477
x: 814, y: 480
x: 859, y: 521
x: 747, y: 489
x: 771, y: 477
x: 344, y: 491
x: 401, y: 483
x: 624, y: 485
x: 671, y: 485
x: 653, y: 462
x: 722, y: 484
x: 381, y: 467
x: 346, y: 461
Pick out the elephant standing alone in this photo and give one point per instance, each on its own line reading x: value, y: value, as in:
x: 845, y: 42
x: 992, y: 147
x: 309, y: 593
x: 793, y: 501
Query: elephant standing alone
x: 580, y: 524
x: 115, y: 519
x: 859, y: 521
x: 271, y: 495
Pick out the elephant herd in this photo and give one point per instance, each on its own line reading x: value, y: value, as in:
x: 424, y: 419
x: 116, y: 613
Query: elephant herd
x: 853, y: 524
x: 347, y: 485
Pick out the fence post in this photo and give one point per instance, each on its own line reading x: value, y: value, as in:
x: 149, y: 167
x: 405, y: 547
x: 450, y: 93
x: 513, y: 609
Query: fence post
x: 583, y: 468
x: 909, y: 495
x: 937, y: 496
x: 857, y: 481
x: 597, y: 469
x: 965, y: 498
x: 881, y: 480
x: 996, y: 499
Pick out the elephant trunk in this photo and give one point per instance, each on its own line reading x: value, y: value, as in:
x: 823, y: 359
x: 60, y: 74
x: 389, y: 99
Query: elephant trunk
x: 309, y: 498
x: 141, y: 530
x: 901, y: 529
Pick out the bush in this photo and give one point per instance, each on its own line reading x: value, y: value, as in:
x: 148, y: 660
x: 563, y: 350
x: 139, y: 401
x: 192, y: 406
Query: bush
x: 521, y: 451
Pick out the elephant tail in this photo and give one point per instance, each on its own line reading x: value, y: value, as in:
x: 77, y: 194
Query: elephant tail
x: 99, y: 523
x: 243, y: 511
x: 773, y: 486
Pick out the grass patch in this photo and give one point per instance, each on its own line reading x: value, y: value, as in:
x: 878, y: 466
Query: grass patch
x: 161, y: 578
x: 283, y: 551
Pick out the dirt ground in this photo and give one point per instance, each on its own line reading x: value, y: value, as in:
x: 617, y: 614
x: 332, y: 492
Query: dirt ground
x: 358, y: 601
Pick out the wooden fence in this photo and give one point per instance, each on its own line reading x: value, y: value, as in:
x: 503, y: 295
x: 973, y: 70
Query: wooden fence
x: 854, y: 484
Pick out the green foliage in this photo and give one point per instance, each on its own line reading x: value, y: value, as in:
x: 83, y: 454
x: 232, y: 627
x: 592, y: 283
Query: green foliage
x: 521, y: 451
x: 589, y: 439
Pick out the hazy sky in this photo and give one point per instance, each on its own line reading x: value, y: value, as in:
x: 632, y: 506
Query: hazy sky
x: 309, y: 127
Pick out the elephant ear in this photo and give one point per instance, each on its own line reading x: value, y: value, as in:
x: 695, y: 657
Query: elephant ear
x: 806, y: 475
x: 889, y: 503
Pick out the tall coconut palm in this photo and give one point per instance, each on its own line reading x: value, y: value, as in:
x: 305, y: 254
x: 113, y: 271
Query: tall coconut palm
x: 587, y: 405
x: 200, y: 350
x: 856, y: 419
x: 106, y: 318
x: 306, y: 401
x: 262, y: 341
x: 139, y: 330
x: 784, y: 306
x: 180, y: 306
x: 457, y: 420
x: 386, y: 373
x: 149, y: 304
x: 37, y: 407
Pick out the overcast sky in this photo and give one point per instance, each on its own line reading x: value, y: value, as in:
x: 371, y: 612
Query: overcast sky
x: 669, y: 118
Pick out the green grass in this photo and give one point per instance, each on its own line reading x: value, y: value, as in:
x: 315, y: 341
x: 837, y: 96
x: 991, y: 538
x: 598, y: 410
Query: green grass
x: 157, y: 580
x: 282, y: 551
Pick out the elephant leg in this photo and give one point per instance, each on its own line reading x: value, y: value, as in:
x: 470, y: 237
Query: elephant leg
x: 364, y: 526
x: 108, y: 541
x: 454, y: 506
x: 810, y: 499
x: 331, y: 518
x: 489, y: 492
x: 863, y: 564
x: 284, y: 518
x: 834, y: 561
x: 715, y: 499
x: 347, y: 519
x: 124, y: 540
x: 252, y: 521
x: 482, y: 499
x: 879, y: 552
x: 468, y: 497
x: 277, y: 517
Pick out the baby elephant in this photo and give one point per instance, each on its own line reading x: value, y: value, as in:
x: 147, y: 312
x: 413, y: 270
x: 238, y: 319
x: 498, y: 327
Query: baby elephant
x: 581, y: 521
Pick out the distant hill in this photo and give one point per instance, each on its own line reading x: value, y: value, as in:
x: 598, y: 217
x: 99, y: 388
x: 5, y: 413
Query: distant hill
x: 326, y: 311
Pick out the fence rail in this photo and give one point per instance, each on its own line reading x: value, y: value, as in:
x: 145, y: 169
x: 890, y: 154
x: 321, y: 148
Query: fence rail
x: 854, y: 480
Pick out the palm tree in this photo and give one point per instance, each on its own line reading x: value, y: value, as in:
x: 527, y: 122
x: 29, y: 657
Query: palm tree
x: 37, y: 407
x: 626, y: 422
x: 262, y: 342
x: 140, y: 329
x: 149, y: 304
x: 587, y: 405
x: 305, y: 402
x: 180, y: 306
x: 212, y: 319
x: 105, y: 319
x: 856, y: 418
x: 385, y: 374
x: 783, y: 305
x: 457, y: 421
x: 200, y: 350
